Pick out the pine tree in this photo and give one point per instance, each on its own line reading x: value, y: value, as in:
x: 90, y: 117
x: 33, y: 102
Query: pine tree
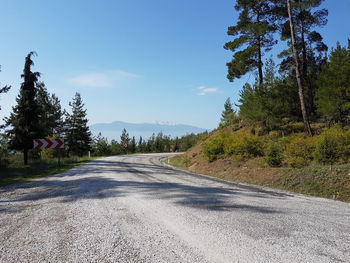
x: 133, y: 145
x: 167, y: 144
x: 159, y: 143
x: 115, y: 147
x: 51, y: 115
x: 251, y: 107
x: 306, y: 48
x: 253, y: 36
x: 271, y: 103
x: 125, y: 141
x: 24, y: 120
x: 228, y: 116
x: 297, y: 70
x: 100, y: 146
x: 140, y: 145
x: 309, y: 43
x: 333, y: 95
x: 78, y: 135
x: 176, y: 145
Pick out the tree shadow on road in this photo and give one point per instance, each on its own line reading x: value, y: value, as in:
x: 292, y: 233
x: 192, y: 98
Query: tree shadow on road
x: 90, y: 181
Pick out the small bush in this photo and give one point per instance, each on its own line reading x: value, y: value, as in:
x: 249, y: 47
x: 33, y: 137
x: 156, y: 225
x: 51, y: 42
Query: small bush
x: 244, y: 144
x: 331, y: 145
x: 48, y: 154
x: 294, y: 127
x: 274, y: 154
x: 299, y: 152
x: 297, y: 162
x: 214, y: 146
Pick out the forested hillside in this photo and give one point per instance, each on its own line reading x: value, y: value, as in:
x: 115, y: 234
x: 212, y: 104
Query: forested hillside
x: 291, y: 126
x: 303, y: 83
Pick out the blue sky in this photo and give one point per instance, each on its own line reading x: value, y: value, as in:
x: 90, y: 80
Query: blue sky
x: 135, y: 60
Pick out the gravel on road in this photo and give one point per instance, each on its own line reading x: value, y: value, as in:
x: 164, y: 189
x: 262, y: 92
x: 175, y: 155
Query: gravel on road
x: 133, y: 208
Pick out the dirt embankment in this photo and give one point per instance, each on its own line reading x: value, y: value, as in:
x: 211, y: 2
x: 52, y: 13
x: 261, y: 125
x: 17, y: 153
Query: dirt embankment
x: 324, y: 181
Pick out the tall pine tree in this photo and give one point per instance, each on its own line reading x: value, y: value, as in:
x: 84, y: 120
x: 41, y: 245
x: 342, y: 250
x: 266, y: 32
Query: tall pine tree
x: 24, y: 120
x: 298, y: 66
x: 297, y: 20
x: 78, y: 135
x: 253, y: 36
x: 51, y: 115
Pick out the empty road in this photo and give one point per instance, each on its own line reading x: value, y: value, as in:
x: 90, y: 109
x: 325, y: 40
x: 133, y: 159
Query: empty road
x: 135, y: 209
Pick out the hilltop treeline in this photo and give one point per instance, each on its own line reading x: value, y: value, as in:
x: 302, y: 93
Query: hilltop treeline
x: 157, y: 143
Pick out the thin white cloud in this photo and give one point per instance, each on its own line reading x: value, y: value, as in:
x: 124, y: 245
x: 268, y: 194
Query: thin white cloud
x: 106, y: 79
x: 202, y: 90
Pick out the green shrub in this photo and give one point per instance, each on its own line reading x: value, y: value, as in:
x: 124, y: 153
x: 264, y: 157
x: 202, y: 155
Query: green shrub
x: 297, y: 162
x: 294, y: 127
x: 244, y: 144
x: 274, y: 154
x: 214, y: 146
x: 299, y: 151
x: 331, y: 145
x: 48, y: 154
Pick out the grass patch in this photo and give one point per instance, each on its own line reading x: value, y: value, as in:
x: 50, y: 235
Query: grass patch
x: 18, y: 173
x: 323, y: 181
x: 179, y: 161
x: 326, y: 181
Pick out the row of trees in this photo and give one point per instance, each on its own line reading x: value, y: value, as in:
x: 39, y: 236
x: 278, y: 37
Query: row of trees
x: 276, y: 102
x: 155, y: 144
x: 307, y: 85
x: 38, y: 114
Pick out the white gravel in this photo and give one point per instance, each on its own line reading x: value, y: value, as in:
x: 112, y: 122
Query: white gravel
x: 134, y: 209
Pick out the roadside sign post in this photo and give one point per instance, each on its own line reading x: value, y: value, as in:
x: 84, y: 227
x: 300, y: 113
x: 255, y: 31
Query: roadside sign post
x: 52, y: 143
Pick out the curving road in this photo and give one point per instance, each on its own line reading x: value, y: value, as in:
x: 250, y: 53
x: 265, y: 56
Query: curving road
x: 134, y: 209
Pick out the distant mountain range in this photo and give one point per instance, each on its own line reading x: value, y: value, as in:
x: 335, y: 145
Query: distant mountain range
x: 114, y: 130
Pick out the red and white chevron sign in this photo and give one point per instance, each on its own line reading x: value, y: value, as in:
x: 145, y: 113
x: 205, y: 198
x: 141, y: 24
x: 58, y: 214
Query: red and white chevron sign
x: 48, y: 143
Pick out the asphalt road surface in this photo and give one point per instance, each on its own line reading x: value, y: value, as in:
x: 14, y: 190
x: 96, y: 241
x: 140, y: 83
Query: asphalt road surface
x: 134, y: 209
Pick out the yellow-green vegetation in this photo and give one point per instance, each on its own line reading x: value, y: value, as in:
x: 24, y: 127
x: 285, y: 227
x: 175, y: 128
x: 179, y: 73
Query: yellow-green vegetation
x: 315, y: 165
x: 17, y: 172
x: 331, y: 146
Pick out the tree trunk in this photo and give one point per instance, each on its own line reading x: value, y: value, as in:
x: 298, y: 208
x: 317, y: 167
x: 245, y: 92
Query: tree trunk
x: 303, y: 44
x: 260, y: 64
x: 25, y: 156
x: 307, y: 82
x: 297, y: 73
